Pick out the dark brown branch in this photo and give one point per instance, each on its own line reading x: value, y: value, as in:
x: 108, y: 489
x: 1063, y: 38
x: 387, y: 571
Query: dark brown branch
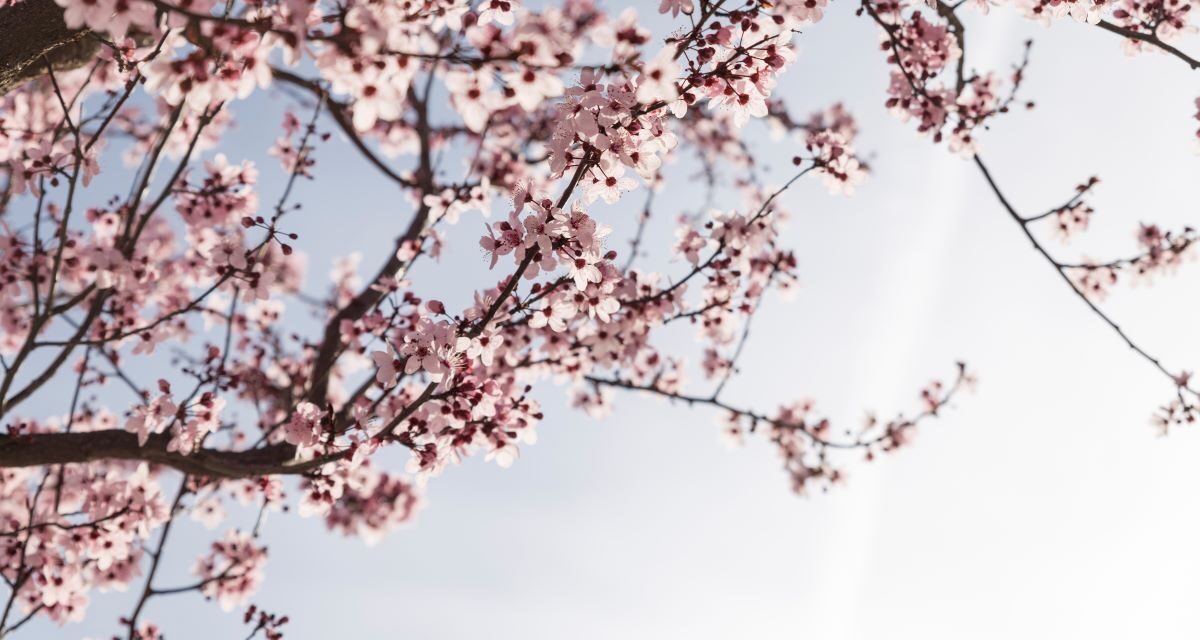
x: 1061, y: 269
x: 331, y: 342
x: 808, y: 431
x: 156, y: 558
x: 1151, y: 39
x: 33, y: 32
x: 66, y: 448
x: 338, y: 111
x: 66, y: 527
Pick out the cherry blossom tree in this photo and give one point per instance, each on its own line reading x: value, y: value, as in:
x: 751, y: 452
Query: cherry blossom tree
x: 155, y: 316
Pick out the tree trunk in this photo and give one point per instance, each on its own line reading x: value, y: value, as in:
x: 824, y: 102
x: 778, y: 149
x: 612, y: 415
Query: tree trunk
x: 32, y: 34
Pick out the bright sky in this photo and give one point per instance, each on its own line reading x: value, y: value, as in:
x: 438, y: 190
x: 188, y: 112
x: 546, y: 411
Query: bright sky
x: 1042, y: 506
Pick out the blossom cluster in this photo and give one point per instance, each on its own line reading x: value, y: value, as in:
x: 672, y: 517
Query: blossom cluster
x: 55, y: 560
x: 1161, y: 252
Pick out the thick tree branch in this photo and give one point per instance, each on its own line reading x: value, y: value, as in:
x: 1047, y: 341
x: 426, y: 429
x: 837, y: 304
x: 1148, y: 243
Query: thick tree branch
x: 331, y: 343
x: 38, y: 449
x: 33, y: 33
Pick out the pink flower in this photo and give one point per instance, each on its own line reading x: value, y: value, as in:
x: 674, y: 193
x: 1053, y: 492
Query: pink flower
x: 510, y: 237
x: 657, y: 81
x: 304, y: 429
x: 444, y: 206
x: 484, y: 348
x: 610, y: 186
x: 225, y: 195
x: 582, y: 270
x: 472, y: 96
x: 531, y: 87
x: 1072, y: 220
x: 233, y: 569
x: 553, y: 315
x: 499, y: 10
x: 152, y: 418
x: 205, y: 419
x: 429, y: 348
x: 388, y: 368
x: 113, y: 17
x: 504, y: 455
x: 675, y: 7
x: 541, y: 227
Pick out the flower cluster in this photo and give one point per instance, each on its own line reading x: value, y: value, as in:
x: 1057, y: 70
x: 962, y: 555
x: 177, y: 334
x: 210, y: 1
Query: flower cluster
x: 1072, y: 220
x: 199, y: 78
x: 1161, y: 252
x: 226, y: 194
x: 923, y: 53
x: 54, y: 560
x: 1161, y: 20
x: 232, y: 570
x: 920, y: 51
x: 1089, y: 11
x: 372, y: 504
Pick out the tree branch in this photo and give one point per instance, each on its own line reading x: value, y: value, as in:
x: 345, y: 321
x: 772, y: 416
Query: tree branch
x: 28, y: 450
x: 35, y: 33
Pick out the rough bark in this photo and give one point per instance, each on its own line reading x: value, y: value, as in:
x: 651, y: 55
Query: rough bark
x: 64, y: 448
x: 32, y: 33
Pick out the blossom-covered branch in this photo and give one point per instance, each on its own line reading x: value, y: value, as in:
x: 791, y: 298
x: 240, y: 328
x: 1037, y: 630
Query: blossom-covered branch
x: 162, y: 299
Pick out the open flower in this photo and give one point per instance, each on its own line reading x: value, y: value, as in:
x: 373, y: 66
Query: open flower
x: 304, y: 429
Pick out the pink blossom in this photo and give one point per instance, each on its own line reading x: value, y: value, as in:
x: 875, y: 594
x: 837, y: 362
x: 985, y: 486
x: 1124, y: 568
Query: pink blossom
x: 675, y: 7
x: 233, y: 569
x: 304, y: 428
x: 657, y: 81
x: 152, y: 418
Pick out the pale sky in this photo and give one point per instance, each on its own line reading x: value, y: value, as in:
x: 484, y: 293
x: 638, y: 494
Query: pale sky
x: 1042, y: 506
